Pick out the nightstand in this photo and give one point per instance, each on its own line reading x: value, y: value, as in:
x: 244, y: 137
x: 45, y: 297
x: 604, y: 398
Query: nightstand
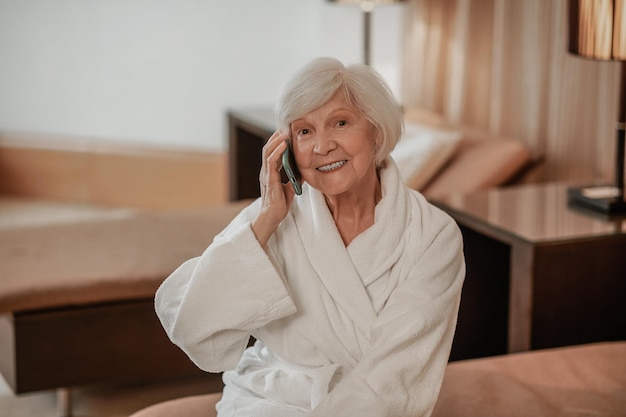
x: 539, y: 274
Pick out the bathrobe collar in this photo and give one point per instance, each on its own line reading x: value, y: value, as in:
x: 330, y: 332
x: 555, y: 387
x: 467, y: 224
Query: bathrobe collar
x: 345, y: 272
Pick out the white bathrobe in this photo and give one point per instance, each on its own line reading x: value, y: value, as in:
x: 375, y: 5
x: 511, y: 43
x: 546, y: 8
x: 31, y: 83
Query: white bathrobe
x: 363, y: 330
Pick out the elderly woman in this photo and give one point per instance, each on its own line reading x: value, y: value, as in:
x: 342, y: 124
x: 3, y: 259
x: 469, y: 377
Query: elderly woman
x: 351, y: 289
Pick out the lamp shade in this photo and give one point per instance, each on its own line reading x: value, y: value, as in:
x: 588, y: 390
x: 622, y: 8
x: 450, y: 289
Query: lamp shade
x: 598, y: 29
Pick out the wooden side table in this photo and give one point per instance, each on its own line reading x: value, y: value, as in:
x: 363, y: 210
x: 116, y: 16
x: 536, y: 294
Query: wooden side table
x: 538, y: 272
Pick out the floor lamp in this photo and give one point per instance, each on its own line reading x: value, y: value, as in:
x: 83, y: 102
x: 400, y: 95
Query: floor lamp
x: 366, y: 7
x: 597, y: 30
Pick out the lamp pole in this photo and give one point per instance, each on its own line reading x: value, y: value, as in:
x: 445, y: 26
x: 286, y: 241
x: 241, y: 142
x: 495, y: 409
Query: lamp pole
x: 367, y: 21
x: 367, y: 7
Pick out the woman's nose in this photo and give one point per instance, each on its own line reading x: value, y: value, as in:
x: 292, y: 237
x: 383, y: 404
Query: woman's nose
x: 324, y: 143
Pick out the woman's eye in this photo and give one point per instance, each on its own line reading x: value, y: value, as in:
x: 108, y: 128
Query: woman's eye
x: 341, y: 123
x: 303, y: 132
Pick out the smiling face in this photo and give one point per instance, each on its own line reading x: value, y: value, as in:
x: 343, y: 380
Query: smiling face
x: 334, y: 149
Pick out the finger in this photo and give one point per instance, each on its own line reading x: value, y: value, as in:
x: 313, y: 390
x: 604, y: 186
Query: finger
x: 275, y: 141
x: 272, y: 163
x: 275, y: 159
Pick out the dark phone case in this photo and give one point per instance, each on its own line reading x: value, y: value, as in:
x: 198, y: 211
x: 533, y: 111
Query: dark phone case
x: 291, y: 169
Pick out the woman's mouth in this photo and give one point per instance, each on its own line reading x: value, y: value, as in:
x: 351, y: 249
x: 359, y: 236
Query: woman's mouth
x: 332, y: 167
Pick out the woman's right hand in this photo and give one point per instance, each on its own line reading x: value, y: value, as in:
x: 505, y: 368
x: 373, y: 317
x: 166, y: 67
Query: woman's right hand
x: 276, y: 197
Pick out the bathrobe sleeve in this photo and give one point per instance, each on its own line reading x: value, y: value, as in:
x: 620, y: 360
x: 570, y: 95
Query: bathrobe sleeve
x: 211, y: 304
x: 401, y: 374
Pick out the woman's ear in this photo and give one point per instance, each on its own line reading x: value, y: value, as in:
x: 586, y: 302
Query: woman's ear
x: 375, y: 135
x: 377, y: 144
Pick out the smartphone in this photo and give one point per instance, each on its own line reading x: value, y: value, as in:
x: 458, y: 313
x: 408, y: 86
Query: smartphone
x: 291, y: 169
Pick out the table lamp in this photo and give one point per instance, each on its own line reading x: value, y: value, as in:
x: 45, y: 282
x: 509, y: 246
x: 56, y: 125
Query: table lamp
x: 597, y: 30
x: 366, y: 6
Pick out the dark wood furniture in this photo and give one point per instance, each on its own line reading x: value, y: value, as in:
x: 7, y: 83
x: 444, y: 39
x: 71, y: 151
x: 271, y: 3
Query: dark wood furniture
x: 103, y: 343
x: 249, y: 129
x: 539, y: 274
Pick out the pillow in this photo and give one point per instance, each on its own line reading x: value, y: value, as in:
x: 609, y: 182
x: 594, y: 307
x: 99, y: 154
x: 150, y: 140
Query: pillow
x: 491, y: 162
x: 422, y: 152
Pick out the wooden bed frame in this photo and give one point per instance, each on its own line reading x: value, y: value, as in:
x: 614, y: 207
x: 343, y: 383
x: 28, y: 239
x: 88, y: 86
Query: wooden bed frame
x: 119, y: 342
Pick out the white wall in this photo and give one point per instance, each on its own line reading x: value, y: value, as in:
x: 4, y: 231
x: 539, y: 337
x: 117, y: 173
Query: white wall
x: 165, y: 71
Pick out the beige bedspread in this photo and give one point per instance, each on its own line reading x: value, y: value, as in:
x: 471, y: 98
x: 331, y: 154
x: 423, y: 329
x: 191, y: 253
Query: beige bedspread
x: 55, y: 255
x: 586, y: 380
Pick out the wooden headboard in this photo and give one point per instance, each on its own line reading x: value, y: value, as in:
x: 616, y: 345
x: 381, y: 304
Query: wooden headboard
x: 89, y: 171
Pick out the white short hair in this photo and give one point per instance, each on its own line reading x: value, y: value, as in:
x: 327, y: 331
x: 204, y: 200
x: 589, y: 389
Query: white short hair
x: 362, y: 87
